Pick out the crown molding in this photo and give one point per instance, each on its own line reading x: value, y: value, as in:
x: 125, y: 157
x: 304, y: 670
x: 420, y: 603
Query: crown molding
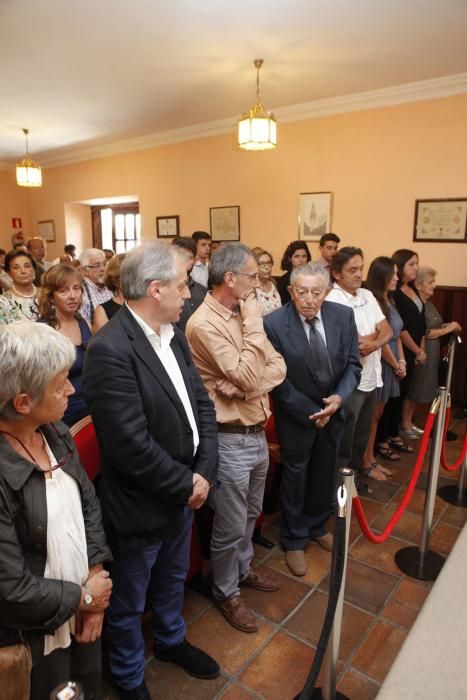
x: 384, y: 97
x: 410, y: 92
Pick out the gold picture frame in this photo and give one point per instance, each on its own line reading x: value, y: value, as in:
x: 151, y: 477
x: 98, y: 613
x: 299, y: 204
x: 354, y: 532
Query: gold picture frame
x: 46, y: 230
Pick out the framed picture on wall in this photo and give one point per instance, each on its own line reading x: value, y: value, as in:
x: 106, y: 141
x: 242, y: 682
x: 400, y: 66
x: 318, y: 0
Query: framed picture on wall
x: 314, y: 215
x: 441, y: 220
x: 167, y: 226
x: 46, y: 230
x: 225, y: 223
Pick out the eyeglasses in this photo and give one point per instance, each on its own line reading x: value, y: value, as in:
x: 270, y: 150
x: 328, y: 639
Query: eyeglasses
x: 96, y: 266
x: 265, y: 264
x: 58, y: 465
x: 251, y: 275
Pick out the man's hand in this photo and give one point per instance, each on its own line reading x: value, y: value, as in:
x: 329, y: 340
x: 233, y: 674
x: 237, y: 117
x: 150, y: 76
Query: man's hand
x: 249, y: 307
x: 366, y: 345
x: 200, y: 492
x: 88, y: 627
x: 226, y: 388
x: 332, y: 404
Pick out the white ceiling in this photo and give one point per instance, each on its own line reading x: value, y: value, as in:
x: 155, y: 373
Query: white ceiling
x: 82, y: 73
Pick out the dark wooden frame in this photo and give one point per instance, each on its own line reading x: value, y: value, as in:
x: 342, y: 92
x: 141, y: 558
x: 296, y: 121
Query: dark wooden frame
x: 439, y: 239
x: 221, y: 235
x: 173, y: 218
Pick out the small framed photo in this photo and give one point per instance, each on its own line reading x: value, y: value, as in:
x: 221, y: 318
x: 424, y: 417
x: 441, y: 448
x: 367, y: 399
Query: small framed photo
x: 225, y: 223
x: 167, y: 226
x: 441, y: 220
x: 314, y: 215
x: 46, y: 230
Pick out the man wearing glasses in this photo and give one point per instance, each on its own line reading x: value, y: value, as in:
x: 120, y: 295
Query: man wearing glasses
x: 92, y: 261
x: 238, y: 366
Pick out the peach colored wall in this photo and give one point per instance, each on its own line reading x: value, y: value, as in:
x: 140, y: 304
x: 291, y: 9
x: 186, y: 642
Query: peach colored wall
x: 13, y: 204
x: 376, y: 162
x: 78, y: 225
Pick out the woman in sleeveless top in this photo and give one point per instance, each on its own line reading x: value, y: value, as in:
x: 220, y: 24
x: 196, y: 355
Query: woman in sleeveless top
x: 59, y: 300
x: 104, y: 312
x: 412, y: 311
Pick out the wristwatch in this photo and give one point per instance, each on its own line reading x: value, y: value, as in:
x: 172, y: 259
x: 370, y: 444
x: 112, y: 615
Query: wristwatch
x: 88, y: 597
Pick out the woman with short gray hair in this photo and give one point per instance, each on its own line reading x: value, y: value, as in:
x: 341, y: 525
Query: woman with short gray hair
x: 53, y: 589
x: 424, y: 382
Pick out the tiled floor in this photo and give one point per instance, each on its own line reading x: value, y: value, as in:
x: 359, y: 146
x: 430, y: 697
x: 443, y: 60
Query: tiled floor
x: 381, y: 604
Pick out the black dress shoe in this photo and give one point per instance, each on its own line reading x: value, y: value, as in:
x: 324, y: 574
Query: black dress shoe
x: 193, y: 660
x: 139, y: 693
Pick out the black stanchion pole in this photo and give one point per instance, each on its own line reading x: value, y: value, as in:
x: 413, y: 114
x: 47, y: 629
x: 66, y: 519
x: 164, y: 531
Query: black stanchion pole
x: 334, y: 616
x: 421, y: 562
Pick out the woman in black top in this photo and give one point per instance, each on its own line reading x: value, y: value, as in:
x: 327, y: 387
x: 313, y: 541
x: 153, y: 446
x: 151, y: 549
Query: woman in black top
x: 412, y: 311
x: 104, y: 312
x: 296, y: 253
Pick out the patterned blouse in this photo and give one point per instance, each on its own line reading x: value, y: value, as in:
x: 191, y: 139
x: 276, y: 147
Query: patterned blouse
x: 15, y: 308
x: 269, y: 301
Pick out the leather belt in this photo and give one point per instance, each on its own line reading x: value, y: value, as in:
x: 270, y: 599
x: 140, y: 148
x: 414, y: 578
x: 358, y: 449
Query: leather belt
x: 241, y: 429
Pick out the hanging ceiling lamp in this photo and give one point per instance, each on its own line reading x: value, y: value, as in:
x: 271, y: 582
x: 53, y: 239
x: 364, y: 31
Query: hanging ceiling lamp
x: 28, y: 172
x: 257, y: 130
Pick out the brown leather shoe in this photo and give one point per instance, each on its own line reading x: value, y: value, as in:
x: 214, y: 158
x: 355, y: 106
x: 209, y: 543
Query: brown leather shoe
x: 296, y: 561
x: 260, y: 580
x: 325, y: 541
x: 236, y: 612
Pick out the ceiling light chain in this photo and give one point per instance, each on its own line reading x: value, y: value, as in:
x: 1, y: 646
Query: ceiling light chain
x: 257, y: 130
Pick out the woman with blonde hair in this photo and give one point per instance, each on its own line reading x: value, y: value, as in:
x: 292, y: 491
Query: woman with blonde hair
x: 105, y: 311
x: 59, y: 301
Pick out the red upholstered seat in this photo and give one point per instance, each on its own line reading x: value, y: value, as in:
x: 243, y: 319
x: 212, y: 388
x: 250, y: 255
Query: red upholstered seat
x: 85, y: 439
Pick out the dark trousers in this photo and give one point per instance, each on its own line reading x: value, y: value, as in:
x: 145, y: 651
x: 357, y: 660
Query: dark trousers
x: 79, y: 662
x: 388, y: 424
x: 359, y: 409
x: 158, y: 571
x: 308, y: 478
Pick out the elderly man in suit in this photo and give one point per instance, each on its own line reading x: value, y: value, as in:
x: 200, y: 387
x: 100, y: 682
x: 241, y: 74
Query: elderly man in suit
x: 319, y: 343
x: 157, y: 433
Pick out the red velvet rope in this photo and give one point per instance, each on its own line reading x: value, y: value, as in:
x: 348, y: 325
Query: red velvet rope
x: 363, y: 522
x: 458, y: 462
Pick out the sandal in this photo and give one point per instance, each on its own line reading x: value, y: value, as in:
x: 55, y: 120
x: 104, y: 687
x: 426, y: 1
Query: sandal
x: 384, y: 470
x: 399, y: 445
x: 387, y: 453
x: 373, y: 472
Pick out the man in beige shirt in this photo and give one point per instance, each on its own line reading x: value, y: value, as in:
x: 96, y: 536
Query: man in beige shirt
x: 238, y: 366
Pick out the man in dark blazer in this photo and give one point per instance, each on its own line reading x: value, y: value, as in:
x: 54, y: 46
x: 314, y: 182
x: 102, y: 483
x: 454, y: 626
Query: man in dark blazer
x: 319, y: 343
x: 157, y: 434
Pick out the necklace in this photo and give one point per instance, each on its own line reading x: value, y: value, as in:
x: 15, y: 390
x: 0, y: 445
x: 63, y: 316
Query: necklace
x: 25, y: 296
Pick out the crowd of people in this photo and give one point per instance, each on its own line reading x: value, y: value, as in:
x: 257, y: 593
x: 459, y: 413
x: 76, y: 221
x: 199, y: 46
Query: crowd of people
x: 180, y: 383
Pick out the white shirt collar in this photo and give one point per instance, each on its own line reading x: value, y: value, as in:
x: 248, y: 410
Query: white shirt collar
x: 163, y: 338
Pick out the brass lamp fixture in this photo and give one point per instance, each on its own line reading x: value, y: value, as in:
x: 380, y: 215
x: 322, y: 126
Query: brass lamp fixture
x: 257, y: 130
x: 28, y: 172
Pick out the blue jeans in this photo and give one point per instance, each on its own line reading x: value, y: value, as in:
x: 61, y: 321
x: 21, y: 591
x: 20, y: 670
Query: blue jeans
x: 159, y: 572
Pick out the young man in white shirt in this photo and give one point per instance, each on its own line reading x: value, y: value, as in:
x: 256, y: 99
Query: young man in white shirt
x: 374, y: 331
x: 203, y: 251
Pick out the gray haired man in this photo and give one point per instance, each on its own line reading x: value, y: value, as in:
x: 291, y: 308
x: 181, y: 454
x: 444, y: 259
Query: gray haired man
x: 238, y: 366
x: 92, y: 261
x: 157, y: 433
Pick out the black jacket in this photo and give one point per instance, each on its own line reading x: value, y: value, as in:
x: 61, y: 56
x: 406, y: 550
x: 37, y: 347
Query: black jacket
x: 144, y: 435
x: 298, y: 396
x: 29, y: 602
